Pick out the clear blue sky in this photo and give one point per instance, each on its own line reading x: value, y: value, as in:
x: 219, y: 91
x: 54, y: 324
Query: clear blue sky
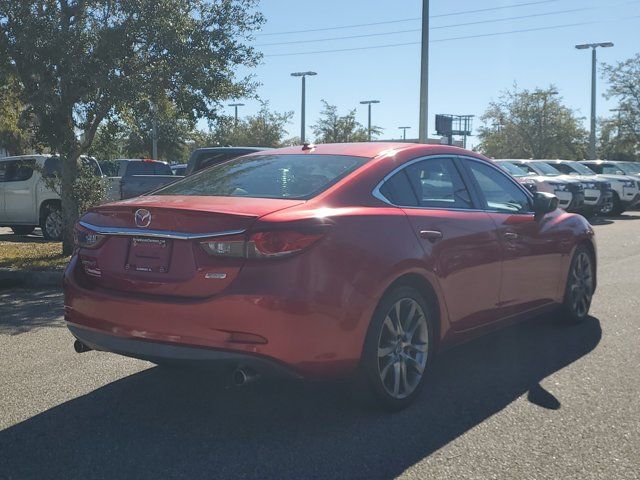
x: 465, y: 74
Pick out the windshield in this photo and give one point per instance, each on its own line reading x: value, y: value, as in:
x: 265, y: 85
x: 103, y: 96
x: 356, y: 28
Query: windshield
x: 547, y: 169
x: 514, y: 170
x: 268, y: 176
x: 582, y: 169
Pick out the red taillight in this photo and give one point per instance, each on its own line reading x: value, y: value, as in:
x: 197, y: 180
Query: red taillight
x: 85, y: 238
x: 268, y: 244
x: 280, y: 243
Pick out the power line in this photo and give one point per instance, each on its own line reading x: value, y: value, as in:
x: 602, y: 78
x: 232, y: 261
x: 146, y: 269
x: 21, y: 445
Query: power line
x: 463, y: 37
x: 396, y: 32
x: 413, y: 19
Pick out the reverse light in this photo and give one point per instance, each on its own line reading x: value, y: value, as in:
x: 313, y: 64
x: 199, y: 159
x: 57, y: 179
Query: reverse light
x: 85, y: 238
x: 263, y: 244
x: 233, y: 246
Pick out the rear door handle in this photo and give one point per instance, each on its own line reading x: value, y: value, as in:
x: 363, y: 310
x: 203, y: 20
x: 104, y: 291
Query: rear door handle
x: 432, y: 235
x: 511, y: 235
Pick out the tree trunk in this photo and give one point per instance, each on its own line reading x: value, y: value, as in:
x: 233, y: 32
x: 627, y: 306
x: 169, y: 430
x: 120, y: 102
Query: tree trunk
x: 70, y: 210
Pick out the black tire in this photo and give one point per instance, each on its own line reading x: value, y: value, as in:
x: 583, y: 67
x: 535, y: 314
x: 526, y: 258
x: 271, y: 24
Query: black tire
x: 371, y: 383
x: 51, y: 223
x: 22, y: 229
x: 580, y: 287
x: 617, y: 208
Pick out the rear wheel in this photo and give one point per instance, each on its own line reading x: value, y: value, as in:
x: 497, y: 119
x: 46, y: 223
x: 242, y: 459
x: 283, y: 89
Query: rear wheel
x: 580, y: 286
x: 52, y: 223
x: 22, y: 229
x: 398, y: 348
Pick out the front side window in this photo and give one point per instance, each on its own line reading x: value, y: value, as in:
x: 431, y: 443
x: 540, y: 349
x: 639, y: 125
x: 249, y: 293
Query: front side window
x: 268, y: 176
x: 16, y: 170
x: 499, y: 191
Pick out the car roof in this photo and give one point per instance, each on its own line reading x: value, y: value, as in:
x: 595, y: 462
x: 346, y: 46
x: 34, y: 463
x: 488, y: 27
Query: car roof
x: 21, y: 157
x: 370, y: 149
x: 223, y: 149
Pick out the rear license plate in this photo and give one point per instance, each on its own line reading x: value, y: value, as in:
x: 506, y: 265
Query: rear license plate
x: 151, y: 255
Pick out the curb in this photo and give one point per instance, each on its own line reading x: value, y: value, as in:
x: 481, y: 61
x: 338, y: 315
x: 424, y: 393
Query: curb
x: 29, y: 278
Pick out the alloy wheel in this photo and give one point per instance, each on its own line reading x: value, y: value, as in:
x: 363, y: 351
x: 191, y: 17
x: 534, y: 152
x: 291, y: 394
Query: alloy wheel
x: 403, y: 347
x: 581, y: 289
x: 53, y: 224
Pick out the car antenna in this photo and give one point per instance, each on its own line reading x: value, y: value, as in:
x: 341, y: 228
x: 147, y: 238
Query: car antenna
x: 308, y: 146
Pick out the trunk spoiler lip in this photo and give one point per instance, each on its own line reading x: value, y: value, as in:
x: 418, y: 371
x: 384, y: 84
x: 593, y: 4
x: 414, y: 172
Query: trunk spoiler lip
x: 137, y: 232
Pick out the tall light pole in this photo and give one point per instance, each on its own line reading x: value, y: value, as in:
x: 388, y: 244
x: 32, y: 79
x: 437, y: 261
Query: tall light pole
x: 368, y: 103
x: 154, y: 132
x: 404, y: 132
x: 423, y: 133
x: 235, y: 106
x: 303, y: 108
x: 592, y: 133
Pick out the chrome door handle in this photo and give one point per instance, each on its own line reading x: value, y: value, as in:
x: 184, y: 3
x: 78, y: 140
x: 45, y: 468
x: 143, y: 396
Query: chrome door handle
x: 511, y: 235
x: 432, y: 235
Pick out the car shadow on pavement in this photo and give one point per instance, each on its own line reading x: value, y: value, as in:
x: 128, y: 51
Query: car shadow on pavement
x: 30, y: 312
x: 162, y: 424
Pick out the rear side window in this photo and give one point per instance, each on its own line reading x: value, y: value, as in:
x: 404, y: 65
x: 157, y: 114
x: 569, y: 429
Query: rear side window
x: 268, y: 176
x: 52, y: 167
x: 398, y: 190
x: 16, y: 170
x: 499, y: 191
x: 437, y: 183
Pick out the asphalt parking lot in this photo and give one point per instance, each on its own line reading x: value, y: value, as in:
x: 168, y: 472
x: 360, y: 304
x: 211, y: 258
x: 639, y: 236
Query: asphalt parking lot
x: 536, y: 400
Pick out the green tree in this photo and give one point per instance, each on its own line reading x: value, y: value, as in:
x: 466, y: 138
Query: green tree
x: 16, y: 125
x: 531, y: 124
x: 82, y: 62
x: 620, y: 135
x: 332, y: 127
x: 265, y: 129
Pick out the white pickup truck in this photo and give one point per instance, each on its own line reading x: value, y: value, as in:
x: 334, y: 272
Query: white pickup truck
x: 25, y: 201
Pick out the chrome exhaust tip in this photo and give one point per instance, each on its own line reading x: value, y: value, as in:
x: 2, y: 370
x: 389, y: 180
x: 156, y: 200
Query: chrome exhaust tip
x: 242, y: 376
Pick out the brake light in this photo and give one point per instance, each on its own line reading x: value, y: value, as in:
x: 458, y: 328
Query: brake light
x: 280, y: 243
x: 85, y: 238
x: 268, y: 244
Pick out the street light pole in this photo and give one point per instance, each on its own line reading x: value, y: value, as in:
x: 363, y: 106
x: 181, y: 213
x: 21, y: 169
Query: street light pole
x: 235, y: 106
x: 592, y: 132
x: 154, y: 132
x: 303, y: 106
x: 423, y: 133
x: 404, y: 132
x: 369, y: 103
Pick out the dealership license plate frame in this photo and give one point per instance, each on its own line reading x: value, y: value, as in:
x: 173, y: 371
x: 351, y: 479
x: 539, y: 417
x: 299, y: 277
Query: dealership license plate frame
x: 149, y: 255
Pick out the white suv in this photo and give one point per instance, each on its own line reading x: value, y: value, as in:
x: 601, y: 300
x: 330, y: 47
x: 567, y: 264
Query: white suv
x: 25, y: 201
x: 626, y: 189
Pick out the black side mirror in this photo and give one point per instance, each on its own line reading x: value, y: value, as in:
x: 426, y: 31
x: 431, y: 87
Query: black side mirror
x: 544, y: 203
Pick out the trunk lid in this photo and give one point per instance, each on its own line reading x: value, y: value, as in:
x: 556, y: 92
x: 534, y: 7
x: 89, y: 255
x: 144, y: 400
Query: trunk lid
x: 157, y: 250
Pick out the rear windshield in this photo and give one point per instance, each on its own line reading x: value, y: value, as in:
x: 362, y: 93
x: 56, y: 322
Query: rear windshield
x: 268, y: 176
x: 148, y: 168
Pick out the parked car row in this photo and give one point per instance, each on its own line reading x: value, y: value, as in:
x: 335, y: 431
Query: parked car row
x: 580, y: 188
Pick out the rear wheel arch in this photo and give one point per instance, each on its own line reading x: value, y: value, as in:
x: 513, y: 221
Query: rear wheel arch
x: 46, y: 205
x: 424, y: 287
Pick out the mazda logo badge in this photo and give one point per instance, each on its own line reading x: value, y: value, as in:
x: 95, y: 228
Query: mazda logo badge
x: 143, y: 218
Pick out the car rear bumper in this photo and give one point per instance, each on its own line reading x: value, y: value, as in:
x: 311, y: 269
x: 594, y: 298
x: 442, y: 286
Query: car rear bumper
x: 307, y: 339
x: 161, y: 352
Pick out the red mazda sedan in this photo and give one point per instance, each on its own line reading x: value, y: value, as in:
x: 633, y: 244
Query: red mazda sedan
x: 326, y: 261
